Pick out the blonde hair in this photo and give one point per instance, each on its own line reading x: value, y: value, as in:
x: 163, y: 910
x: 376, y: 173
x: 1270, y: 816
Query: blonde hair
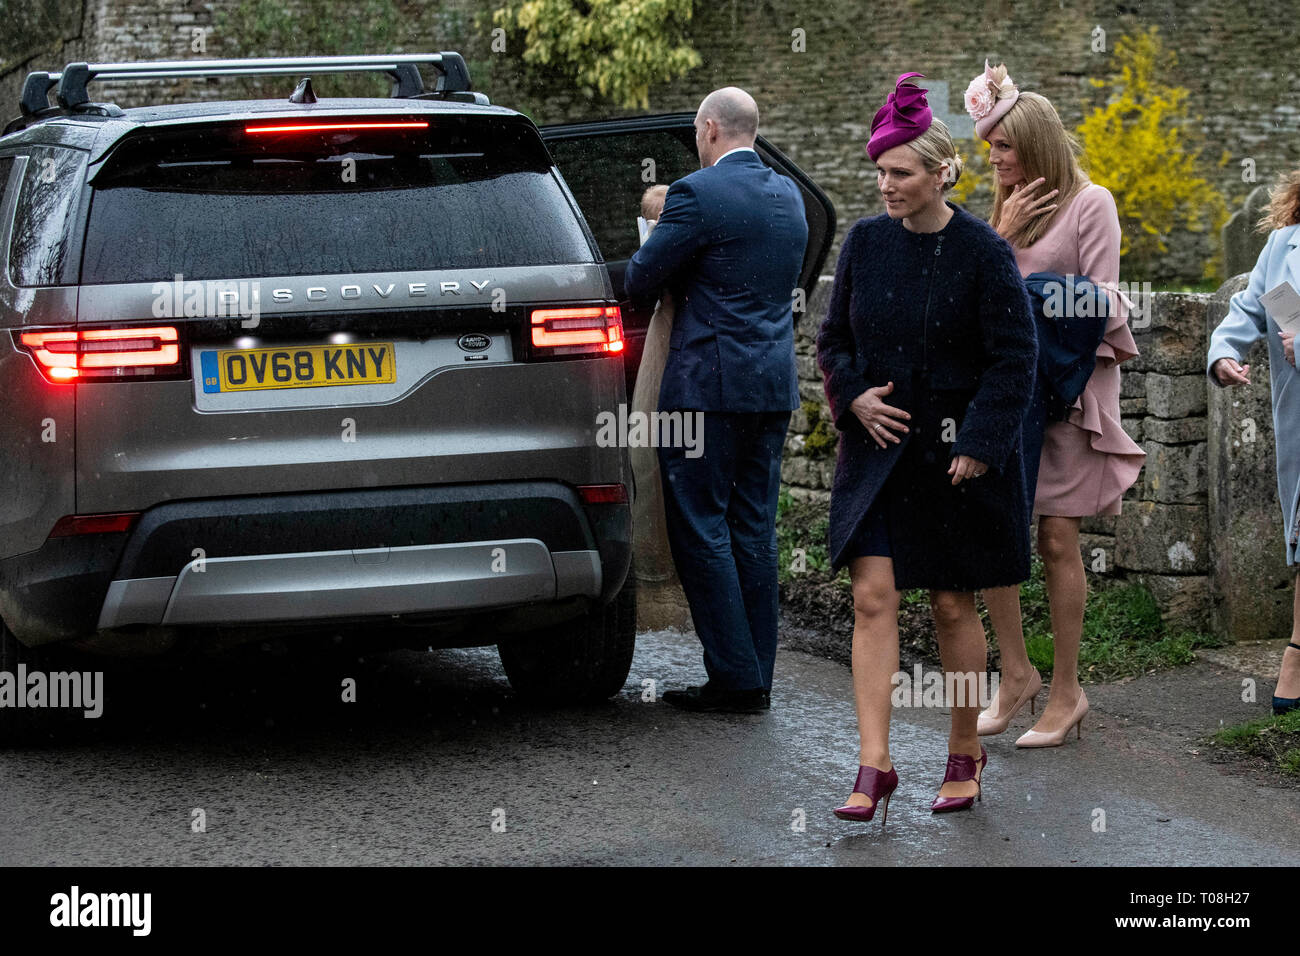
x: 652, y: 202
x: 936, y: 149
x: 1044, y: 148
x: 1283, y: 203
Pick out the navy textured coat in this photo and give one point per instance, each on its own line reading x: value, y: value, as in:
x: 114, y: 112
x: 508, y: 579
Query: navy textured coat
x: 730, y: 244
x: 945, y: 316
x: 1068, y: 338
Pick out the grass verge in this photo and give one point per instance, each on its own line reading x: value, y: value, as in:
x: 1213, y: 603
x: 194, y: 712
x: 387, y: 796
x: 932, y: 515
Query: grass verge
x: 1275, y: 740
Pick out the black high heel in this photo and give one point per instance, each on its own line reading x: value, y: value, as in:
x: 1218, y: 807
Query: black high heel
x: 1282, y: 705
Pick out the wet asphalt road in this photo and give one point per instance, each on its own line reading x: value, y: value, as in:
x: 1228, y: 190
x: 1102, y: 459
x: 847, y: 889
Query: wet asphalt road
x: 436, y: 747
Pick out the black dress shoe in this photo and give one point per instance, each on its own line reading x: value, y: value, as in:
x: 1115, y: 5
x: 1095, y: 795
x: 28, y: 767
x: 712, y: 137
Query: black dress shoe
x: 705, y: 700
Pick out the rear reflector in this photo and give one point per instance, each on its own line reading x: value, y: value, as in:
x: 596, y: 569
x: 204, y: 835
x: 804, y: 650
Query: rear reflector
x: 603, y: 494
x: 93, y: 524
x: 97, y: 354
x: 582, y: 329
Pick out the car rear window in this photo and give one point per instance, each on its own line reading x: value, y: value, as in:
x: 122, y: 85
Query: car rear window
x: 230, y: 201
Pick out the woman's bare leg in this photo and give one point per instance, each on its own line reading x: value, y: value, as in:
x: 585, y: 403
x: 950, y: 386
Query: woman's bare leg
x: 1008, y: 624
x: 963, y: 649
x: 1067, y: 589
x: 875, y: 660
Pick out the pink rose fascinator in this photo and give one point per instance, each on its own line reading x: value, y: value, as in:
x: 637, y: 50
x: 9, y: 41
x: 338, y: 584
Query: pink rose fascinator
x: 988, y: 100
x: 903, y: 118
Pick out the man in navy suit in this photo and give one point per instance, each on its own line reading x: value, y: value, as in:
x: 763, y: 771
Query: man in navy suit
x: 730, y: 244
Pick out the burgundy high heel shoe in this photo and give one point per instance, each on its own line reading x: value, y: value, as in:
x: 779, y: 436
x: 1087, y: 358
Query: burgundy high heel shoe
x: 961, y: 767
x: 875, y: 785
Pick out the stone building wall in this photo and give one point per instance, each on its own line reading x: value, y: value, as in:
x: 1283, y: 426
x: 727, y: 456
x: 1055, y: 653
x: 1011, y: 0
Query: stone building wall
x: 817, y: 104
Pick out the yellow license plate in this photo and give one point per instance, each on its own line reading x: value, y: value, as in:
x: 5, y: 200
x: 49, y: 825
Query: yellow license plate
x: 306, y: 366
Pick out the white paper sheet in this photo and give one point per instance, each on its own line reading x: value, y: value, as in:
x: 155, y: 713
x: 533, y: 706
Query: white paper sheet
x: 1283, y: 305
x: 644, y: 227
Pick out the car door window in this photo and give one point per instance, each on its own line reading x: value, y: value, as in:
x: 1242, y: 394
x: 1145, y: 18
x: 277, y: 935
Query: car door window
x: 609, y: 173
x: 6, y: 171
x: 6, y: 167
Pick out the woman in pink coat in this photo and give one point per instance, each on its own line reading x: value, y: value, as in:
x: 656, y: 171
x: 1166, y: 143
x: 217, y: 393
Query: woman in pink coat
x: 1056, y: 221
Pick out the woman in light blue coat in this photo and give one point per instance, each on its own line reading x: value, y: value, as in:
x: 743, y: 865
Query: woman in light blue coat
x: 1246, y: 323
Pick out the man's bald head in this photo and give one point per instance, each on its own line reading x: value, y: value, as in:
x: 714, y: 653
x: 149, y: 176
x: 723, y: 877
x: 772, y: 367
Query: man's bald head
x: 727, y: 118
x: 734, y: 110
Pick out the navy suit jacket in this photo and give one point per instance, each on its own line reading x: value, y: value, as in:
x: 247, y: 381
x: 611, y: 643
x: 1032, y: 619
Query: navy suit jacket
x: 729, y: 246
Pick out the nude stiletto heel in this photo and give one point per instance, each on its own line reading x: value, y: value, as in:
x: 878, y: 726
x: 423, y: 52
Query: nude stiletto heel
x: 990, y: 723
x: 1036, y: 738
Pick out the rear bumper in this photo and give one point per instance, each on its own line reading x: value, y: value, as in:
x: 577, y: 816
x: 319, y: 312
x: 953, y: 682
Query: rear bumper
x: 330, y: 556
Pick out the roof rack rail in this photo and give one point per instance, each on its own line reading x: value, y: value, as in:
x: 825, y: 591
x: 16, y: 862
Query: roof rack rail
x: 402, y: 67
x: 452, y: 82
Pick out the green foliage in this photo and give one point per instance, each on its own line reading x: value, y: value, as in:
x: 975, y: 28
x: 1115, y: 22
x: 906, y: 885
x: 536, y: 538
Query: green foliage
x: 1276, y: 739
x: 255, y: 28
x: 1123, y: 633
x: 822, y: 438
x: 1140, y: 147
x: 783, y: 502
x: 915, y: 598
x: 617, y: 48
x: 1289, y: 762
x: 801, y: 524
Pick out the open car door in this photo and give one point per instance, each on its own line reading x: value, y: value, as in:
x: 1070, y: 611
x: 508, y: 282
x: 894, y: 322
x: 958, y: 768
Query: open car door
x: 608, y: 164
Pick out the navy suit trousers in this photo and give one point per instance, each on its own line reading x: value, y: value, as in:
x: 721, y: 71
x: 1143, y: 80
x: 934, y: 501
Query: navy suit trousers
x: 721, y: 516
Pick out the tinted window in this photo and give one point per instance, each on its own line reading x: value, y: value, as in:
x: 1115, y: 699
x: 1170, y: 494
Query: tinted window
x: 224, y: 202
x: 6, y: 167
x: 47, y: 198
x: 608, y: 173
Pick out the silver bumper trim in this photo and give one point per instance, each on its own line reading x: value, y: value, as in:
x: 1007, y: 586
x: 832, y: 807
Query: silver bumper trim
x: 321, y: 585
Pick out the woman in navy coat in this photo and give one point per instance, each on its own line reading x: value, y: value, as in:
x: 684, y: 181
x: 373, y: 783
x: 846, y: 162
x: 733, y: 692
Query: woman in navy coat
x: 928, y: 350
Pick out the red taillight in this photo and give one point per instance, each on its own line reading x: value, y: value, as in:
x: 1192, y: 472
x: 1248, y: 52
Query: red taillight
x: 93, y: 524
x: 583, y: 329
x: 97, y: 354
x: 602, y: 494
x: 326, y: 127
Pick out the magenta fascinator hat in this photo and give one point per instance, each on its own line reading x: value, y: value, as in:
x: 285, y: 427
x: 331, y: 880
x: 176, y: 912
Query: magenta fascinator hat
x: 987, y: 100
x: 903, y: 118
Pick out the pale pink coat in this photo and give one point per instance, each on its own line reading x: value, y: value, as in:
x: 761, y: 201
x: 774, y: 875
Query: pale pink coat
x: 1088, y: 461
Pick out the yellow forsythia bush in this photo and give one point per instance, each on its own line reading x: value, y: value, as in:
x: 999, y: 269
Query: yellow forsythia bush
x: 1138, y: 146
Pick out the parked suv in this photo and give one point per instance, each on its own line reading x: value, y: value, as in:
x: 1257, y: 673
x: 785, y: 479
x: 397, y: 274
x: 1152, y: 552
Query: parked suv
x: 293, y: 362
